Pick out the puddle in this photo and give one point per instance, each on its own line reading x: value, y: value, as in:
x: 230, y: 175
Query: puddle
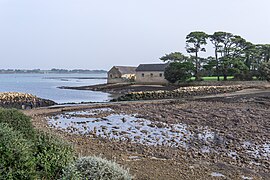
x: 233, y: 154
x: 88, y: 112
x: 246, y: 178
x: 216, y: 174
x: 257, y: 151
x: 124, y: 127
x: 105, y: 123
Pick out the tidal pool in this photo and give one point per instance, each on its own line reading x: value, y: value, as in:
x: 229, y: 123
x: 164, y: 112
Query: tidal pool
x: 125, y: 127
x: 106, y: 123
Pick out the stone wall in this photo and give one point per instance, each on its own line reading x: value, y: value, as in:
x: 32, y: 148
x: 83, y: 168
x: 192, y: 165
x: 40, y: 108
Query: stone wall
x: 179, y: 93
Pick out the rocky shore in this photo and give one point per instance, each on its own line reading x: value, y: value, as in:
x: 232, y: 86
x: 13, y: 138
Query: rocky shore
x: 22, y: 101
x: 225, y: 137
x: 181, y: 92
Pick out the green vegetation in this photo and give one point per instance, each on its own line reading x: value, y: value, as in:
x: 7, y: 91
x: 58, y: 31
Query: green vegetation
x: 16, y: 160
x: 195, y: 41
x: 177, y: 71
x: 52, y: 155
x: 213, y: 78
x: 95, y: 168
x: 233, y: 56
x: 30, y: 154
x: 264, y: 71
x: 18, y: 121
x: 27, y: 154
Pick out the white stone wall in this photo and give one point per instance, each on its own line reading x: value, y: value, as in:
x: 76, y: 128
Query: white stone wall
x: 150, y: 77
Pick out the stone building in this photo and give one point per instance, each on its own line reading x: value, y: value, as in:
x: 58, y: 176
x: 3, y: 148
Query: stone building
x: 121, y: 74
x: 151, y: 74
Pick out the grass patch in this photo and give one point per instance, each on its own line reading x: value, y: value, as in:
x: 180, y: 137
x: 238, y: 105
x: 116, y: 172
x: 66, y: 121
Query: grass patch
x: 213, y: 78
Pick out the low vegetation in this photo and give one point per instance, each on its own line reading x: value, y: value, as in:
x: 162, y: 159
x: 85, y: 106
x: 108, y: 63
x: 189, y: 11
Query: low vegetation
x: 51, y: 155
x: 16, y: 160
x: 18, y: 121
x: 30, y: 154
x: 95, y: 168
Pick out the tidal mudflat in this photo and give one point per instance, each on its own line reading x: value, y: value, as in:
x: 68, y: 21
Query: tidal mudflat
x: 218, y: 137
x: 106, y: 123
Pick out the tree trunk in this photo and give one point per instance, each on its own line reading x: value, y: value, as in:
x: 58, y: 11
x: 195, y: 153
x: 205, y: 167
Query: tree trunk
x: 217, y: 64
x: 225, y: 74
x: 197, y: 66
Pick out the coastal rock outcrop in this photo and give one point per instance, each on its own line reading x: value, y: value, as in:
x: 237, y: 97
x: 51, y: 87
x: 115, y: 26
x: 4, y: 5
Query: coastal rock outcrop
x: 22, y: 100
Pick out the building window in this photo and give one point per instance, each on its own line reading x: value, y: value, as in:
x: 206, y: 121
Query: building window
x: 110, y: 75
x: 160, y: 74
x: 142, y: 74
x: 151, y: 74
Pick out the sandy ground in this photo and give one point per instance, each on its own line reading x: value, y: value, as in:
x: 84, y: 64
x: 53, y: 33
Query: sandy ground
x: 235, y: 118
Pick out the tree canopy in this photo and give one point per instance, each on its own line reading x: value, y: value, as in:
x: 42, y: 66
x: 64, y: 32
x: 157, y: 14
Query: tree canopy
x: 233, y: 55
x: 179, y: 71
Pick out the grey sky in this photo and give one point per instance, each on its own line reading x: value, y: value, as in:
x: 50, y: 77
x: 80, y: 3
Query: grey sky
x: 97, y: 34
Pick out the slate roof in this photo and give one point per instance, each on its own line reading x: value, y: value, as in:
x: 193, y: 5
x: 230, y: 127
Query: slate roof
x: 151, y: 67
x: 126, y: 69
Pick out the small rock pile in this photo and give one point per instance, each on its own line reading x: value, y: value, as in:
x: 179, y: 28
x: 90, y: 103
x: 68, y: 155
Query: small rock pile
x: 22, y: 100
x: 179, y: 93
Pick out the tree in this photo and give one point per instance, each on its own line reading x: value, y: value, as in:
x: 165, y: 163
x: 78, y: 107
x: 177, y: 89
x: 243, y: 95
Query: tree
x: 209, y: 67
x: 194, y: 42
x: 264, y: 52
x: 216, y: 40
x: 265, y: 71
x: 179, y: 71
x: 234, y: 53
x: 175, y: 56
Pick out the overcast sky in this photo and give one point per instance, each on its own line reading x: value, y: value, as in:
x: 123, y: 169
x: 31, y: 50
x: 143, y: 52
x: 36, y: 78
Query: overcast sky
x: 97, y: 34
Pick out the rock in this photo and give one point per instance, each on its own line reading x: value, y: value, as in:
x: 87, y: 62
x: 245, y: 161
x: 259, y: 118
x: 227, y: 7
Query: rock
x: 22, y: 100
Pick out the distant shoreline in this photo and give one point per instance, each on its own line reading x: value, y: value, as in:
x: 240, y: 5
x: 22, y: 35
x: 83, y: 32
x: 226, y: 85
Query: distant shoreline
x: 51, y: 71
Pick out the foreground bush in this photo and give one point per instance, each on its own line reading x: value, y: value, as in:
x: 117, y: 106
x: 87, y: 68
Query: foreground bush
x: 95, y: 168
x: 16, y: 157
x: 52, y: 155
x: 18, y: 121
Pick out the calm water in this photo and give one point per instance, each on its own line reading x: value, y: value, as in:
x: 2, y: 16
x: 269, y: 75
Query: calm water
x: 45, y: 86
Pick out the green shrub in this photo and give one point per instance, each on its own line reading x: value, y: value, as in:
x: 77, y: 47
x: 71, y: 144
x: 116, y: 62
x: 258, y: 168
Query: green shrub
x: 264, y: 71
x: 18, y: 121
x: 95, y: 168
x: 52, y: 155
x: 16, y: 156
x: 178, y: 72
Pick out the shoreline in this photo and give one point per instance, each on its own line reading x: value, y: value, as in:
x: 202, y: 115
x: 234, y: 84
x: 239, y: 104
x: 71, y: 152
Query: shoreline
x: 121, y: 88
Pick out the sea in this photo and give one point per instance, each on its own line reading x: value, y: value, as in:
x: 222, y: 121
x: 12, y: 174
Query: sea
x: 46, y: 86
